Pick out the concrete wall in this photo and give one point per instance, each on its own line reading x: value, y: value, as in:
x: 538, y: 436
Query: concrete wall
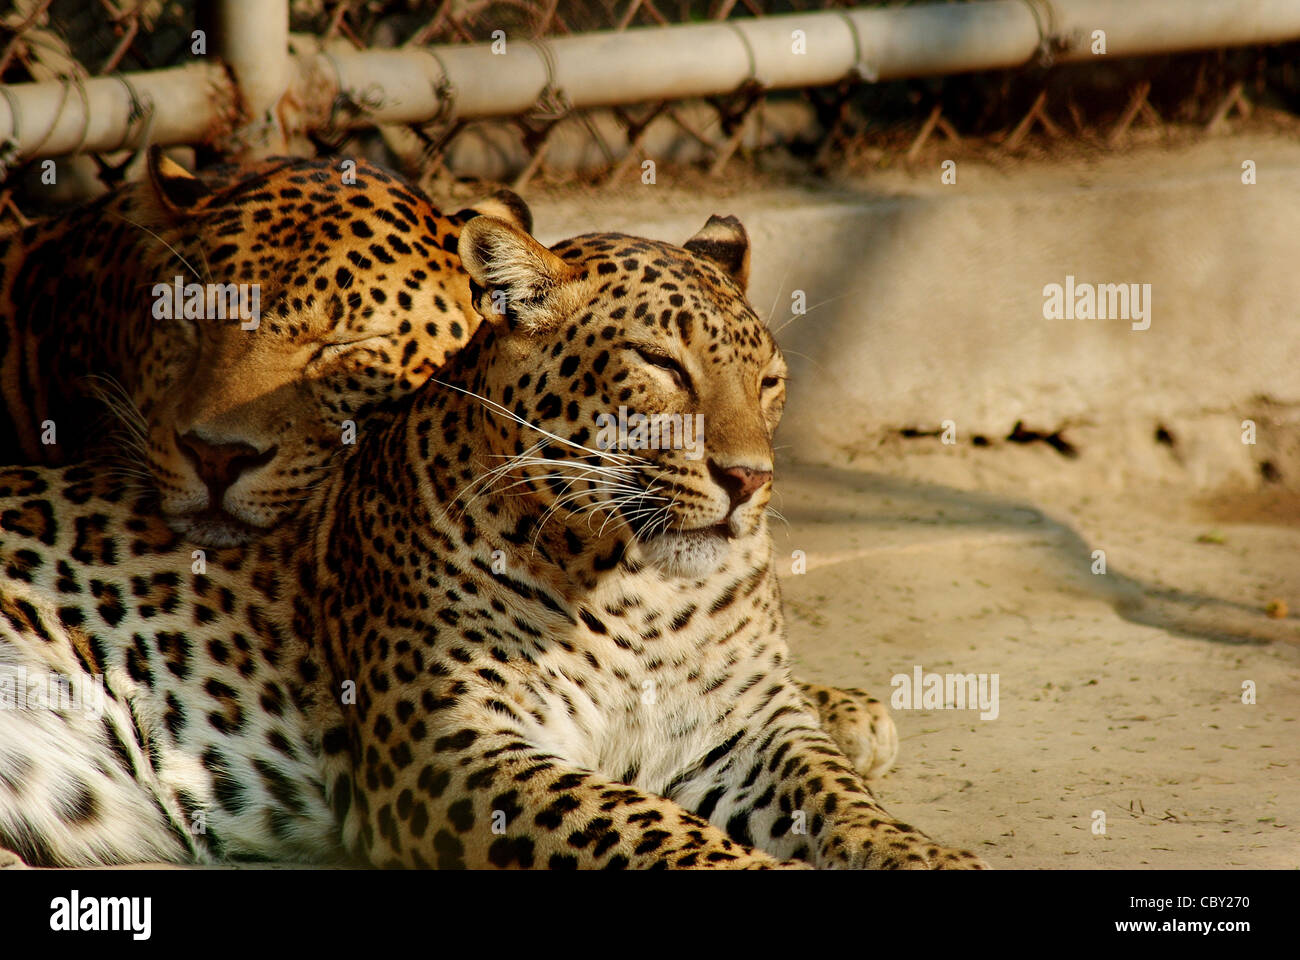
x: 928, y: 304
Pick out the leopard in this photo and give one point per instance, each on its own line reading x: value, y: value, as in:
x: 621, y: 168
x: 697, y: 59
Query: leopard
x: 228, y: 416
x: 227, y: 426
x: 487, y: 640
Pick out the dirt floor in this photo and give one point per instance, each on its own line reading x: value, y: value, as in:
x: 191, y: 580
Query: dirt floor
x: 1119, y: 693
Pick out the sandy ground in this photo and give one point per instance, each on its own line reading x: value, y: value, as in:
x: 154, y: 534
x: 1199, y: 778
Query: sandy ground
x: 1119, y: 693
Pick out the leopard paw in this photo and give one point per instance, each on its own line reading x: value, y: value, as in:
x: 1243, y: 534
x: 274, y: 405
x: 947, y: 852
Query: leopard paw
x: 877, y: 844
x: 860, y: 725
x: 952, y: 858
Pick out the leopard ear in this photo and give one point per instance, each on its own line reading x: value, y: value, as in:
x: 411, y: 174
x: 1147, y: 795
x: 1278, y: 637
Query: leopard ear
x: 504, y: 204
x: 175, y: 187
x: 724, y: 242
x: 518, y: 276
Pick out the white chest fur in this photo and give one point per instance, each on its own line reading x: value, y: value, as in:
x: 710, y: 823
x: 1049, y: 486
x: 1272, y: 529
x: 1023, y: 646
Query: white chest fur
x: 670, y: 670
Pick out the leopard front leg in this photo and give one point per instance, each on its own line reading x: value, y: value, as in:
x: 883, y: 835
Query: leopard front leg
x: 860, y: 725
x: 495, y: 800
x: 781, y: 785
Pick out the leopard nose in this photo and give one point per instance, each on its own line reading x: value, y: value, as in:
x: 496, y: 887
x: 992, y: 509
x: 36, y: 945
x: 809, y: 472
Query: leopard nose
x: 220, y: 464
x: 739, y: 482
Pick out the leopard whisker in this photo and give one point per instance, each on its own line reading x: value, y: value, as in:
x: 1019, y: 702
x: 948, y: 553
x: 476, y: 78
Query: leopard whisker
x: 587, y: 471
x: 808, y: 312
x: 173, y: 250
x: 493, y: 406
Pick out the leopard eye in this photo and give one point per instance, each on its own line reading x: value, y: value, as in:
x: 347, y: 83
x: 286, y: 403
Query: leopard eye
x: 770, y: 383
x: 332, y: 351
x: 664, y: 362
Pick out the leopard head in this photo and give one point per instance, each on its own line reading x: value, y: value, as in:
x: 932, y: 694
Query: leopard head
x: 310, y: 294
x: 638, y: 389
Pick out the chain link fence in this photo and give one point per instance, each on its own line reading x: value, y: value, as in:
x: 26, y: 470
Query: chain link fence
x: 849, y: 126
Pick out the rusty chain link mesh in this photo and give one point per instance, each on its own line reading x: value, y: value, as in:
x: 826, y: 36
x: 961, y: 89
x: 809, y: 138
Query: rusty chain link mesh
x: 851, y: 126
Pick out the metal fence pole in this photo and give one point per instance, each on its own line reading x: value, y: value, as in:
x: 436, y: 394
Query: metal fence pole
x: 252, y: 38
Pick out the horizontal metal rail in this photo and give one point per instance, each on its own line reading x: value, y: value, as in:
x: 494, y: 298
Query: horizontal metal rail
x: 256, y: 92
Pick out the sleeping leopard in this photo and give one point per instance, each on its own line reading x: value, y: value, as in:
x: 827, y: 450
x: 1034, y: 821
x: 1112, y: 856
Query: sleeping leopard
x: 486, y: 640
x: 363, y: 296
x: 360, y: 297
